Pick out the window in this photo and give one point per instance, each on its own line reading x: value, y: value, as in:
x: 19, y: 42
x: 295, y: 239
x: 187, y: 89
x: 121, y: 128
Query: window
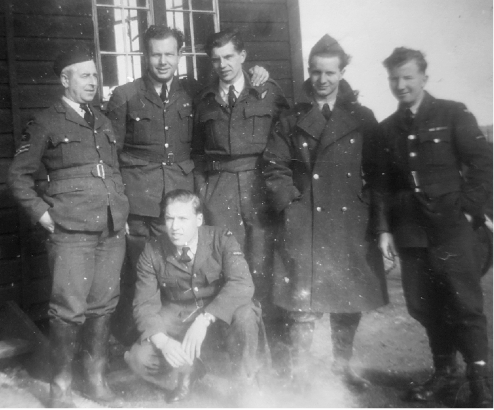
x: 119, y: 30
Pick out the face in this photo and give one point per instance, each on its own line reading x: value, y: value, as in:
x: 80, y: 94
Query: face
x: 163, y: 58
x: 407, y: 83
x: 80, y: 82
x: 227, y: 62
x: 182, y: 223
x: 325, y: 75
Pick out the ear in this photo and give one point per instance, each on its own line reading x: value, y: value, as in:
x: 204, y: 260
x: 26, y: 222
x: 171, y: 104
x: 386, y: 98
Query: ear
x: 243, y: 55
x: 426, y: 78
x: 343, y: 71
x: 200, y: 219
x: 64, y: 80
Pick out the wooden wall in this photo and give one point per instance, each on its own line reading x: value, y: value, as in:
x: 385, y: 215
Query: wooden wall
x: 32, y: 32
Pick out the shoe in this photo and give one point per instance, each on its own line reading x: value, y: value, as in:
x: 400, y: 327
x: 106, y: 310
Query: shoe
x: 186, y: 382
x: 438, y: 384
x: 95, y: 336
x: 480, y: 386
x: 345, y: 372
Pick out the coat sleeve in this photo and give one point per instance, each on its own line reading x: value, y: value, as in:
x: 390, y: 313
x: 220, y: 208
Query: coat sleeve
x: 26, y: 163
x: 238, y: 289
x: 476, y: 155
x: 147, y: 298
x: 117, y: 113
x: 277, y: 171
x: 197, y: 152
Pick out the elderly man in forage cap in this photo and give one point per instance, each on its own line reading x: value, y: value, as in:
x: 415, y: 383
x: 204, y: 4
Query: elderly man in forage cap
x: 84, y: 211
x: 319, y: 166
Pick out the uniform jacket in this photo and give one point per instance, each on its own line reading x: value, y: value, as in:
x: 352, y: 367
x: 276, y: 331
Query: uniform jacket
x: 324, y: 261
x: 219, y: 277
x: 442, y: 163
x: 239, y: 135
x: 76, y: 197
x: 154, y: 141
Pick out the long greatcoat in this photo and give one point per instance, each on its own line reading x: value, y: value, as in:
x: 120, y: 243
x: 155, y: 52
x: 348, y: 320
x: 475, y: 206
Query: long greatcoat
x: 325, y: 260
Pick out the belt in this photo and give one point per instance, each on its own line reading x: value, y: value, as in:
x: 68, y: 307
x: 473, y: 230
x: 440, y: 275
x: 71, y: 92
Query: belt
x: 152, y: 156
x: 239, y: 164
x: 91, y: 170
x: 436, y: 182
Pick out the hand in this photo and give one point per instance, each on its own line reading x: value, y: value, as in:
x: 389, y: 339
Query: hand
x: 387, y: 247
x: 195, y: 336
x: 468, y: 216
x: 259, y: 75
x: 127, y: 231
x: 488, y: 223
x: 171, y: 349
x: 47, y: 223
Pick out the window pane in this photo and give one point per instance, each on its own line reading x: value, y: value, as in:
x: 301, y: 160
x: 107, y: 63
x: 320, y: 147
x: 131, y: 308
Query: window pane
x: 118, y: 70
x: 202, y: 5
x: 203, y: 28
x: 109, y: 2
x: 177, y: 20
x: 177, y: 4
x: 136, y: 24
x: 204, y: 70
x: 108, y: 21
x: 135, y: 3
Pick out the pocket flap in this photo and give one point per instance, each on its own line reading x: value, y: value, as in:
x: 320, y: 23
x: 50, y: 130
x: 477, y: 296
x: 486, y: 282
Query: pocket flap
x: 212, y: 276
x: 111, y: 137
x: 62, y: 187
x: 186, y: 166
x: 58, y: 139
x: 185, y: 111
x: 435, y: 135
x: 258, y: 111
x: 129, y: 160
x: 139, y: 115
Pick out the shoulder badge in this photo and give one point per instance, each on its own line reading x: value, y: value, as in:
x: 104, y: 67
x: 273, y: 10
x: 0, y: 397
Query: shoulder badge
x: 228, y: 233
x: 22, y: 148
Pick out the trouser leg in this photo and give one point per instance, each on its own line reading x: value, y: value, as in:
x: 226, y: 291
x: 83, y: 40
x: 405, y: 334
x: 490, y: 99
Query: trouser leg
x: 63, y: 343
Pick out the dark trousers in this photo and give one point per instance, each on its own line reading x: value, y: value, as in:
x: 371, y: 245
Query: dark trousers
x: 442, y: 289
x: 86, y: 273
x: 241, y: 336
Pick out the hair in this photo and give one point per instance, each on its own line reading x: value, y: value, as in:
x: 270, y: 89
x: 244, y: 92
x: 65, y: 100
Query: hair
x: 185, y: 196
x: 402, y: 55
x: 224, y: 37
x: 344, y: 57
x: 160, y: 32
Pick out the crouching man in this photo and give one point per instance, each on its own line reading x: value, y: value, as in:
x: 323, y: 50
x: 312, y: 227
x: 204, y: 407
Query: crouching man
x: 192, y: 281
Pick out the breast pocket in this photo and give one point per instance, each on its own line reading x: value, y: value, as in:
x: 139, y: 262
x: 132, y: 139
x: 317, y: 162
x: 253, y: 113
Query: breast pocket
x: 140, y: 123
x: 112, y: 146
x: 435, y: 146
x: 69, y: 145
x: 212, y: 129
x: 260, y: 117
x: 185, y: 116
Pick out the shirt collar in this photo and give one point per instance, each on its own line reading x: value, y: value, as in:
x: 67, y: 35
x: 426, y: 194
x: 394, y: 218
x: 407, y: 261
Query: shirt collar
x: 72, y: 104
x: 415, y: 107
x: 239, y: 86
x: 330, y: 102
x: 157, y: 85
x: 192, y: 245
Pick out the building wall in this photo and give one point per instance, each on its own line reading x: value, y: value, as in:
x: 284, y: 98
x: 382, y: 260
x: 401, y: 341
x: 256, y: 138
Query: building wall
x: 32, y: 32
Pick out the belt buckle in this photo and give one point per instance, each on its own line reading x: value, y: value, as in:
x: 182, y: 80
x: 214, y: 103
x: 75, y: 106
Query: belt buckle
x: 100, y: 169
x: 199, y: 303
x: 170, y: 159
x: 216, y: 165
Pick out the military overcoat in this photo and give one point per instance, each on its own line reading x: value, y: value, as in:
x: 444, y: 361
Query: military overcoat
x: 325, y: 260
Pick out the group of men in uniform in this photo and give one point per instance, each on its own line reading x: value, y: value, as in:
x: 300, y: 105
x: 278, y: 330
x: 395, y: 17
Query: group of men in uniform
x: 300, y: 201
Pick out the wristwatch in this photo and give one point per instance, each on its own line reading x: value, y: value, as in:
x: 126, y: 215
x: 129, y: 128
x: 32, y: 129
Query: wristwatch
x: 209, y: 317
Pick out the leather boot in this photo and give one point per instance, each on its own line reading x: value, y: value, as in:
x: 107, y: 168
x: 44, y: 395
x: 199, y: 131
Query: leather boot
x: 343, y: 329
x: 442, y: 380
x: 63, y: 343
x: 480, y: 385
x: 186, y: 381
x: 301, y: 335
x: 95, y: 337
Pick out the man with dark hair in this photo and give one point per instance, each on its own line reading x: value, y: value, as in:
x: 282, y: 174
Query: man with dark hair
x: 318, y: 164
x: 232, y: 122
x: 84, y: 210
x: 152, y: 117
x: 434, y: 188
x: 191, y: 282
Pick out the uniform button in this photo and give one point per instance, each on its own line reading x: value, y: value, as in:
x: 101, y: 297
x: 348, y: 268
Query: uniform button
x: 412, y: 137
x: 436, y: 140
x: 138, y: 119
x: 163, y: 163
x: 100, y: 161
x: 352, y: 141
x: 349, y: 174
x: 318, y: 209
x: 413, y: 154
x: 66, y: 140
x: 167, y: 145
x: 304, y: 144
x: 344, y: 209
x: 95, y: 131
x: 195, y: 275
x: 166, y: 128
x: 97, y: 146
x: 196, y: 289
x: 316, y: 176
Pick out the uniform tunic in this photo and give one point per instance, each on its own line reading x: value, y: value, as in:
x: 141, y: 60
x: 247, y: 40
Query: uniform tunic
x: 432, y: 171
x: 325, y: 260
x: 227, y: 150
x: 85, y: 198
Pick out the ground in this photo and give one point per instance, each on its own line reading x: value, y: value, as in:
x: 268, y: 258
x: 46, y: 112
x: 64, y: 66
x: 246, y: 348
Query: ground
x: 391, y: 351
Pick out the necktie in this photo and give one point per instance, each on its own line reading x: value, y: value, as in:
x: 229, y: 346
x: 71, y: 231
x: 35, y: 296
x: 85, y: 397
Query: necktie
x: 408, y: 118
x: 163, y: 94
x: 232, y: 98
x: 326, y: 111
x: 185, y: 258
x: 88, y: 115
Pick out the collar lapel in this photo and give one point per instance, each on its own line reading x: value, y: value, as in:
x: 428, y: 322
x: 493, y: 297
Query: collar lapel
x: 340, y: 124
x: 150, y: 93
x: 71, y: 115
x: 169, y: 252
x: 313, y: 122
x: 173, y: 91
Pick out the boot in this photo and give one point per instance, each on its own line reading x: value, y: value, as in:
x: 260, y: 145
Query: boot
x: 301, y: 335
x: 96, y: 334
x: 442, y: 380
x: 480, y: 385
x: 186, y: 381
x: 343, y: 329
x: 63, y: 343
